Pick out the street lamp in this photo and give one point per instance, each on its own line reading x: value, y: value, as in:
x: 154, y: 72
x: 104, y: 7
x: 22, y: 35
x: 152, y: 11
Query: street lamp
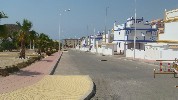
x: 94, y: 39
x: 106, y: 21
x: 60, y: 25
x: 135, y: 30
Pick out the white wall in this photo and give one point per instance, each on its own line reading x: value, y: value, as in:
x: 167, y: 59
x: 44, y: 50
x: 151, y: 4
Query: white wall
x: 84, y: 49
x: 161, y: 55
x: 138, y: 53
x: 154, y: 52
x: 171, y: 32
x: 100, y: 50
x: 108, y: 51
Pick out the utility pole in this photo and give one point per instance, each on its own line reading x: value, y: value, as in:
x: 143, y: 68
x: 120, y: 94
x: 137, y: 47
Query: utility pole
x: 106, y: 22
x: 60, y: 26
x: 135, y: 29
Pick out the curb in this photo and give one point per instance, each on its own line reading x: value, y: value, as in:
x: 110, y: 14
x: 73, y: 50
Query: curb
x: 55, y: 66
x: 91, y: 92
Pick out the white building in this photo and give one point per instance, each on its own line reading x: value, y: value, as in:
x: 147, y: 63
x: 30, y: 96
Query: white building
x: 96, y: 42
x: 166, y: 47
x: 124, y: 35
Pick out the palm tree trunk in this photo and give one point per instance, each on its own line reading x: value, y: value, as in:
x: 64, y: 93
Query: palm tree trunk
x: 30, y: 44
x: 22, y: 52
x: 33, y: 45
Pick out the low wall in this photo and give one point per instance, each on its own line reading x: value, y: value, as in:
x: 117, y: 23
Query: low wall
x: 99, y: 50
x: 138, y: 53
x: 153, y: 54
x: 108, y: 51
x: 84, y: 49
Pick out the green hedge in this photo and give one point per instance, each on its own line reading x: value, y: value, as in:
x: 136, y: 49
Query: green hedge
x: 16, y: 68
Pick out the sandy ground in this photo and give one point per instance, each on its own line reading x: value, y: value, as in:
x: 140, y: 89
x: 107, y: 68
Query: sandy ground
x: 11, y: 58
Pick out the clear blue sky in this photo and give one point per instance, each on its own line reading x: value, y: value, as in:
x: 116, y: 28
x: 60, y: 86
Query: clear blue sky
x: 44, y: 14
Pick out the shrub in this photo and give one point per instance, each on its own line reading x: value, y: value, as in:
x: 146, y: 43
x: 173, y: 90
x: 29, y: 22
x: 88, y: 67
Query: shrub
x: 15, y: 68
x: 49, y: 53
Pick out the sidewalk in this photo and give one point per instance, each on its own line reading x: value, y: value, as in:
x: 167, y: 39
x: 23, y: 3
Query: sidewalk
x: 35, y: 82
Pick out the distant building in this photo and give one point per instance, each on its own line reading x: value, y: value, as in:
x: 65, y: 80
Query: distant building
x: 107, y: 38
x: 71, y: 43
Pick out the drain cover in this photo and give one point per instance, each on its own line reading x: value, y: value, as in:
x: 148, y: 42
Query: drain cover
x: 104, y: 60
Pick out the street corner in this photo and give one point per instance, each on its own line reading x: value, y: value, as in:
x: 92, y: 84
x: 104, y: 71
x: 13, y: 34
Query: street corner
x: 55, y: 87
x: 90, y: 92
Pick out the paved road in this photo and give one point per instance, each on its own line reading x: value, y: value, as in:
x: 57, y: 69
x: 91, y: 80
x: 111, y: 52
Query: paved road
x: 118, y: 79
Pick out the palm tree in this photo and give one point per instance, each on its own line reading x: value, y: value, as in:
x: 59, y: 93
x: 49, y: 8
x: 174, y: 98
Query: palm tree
x: 42, y: 42
x: 2, y: 15
x: 23, y: 33
x: 14, y: 37
x: 32, y: 37
x: 3, y: 32
x: 3, y: 29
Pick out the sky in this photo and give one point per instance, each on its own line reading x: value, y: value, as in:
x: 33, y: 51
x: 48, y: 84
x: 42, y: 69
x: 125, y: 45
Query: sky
x: 84, y: 15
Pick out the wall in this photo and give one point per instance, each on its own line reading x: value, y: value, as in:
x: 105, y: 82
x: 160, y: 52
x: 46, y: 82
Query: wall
x: 154, y: 52
x: 171, y: 31
x: 138, y: 53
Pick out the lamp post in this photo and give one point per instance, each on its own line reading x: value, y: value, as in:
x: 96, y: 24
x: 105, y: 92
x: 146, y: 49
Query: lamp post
x: 94, y: 39
x: 106, y: 21
x: 135, y: 30
x: 60, y: 26
x: 59, y: 30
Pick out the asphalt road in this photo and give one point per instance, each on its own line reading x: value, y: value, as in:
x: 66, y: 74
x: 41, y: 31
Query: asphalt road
x: 119, y: 79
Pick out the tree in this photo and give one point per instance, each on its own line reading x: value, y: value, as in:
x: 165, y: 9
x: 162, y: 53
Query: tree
x: 3, y: 29
x: 42, y: 42
x: 32, y: 38
x: 23, y: 33
x: 3, y: 32
x: 2, y: 15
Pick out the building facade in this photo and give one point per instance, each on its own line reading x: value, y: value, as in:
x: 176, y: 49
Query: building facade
x: 124, y: 35
x: 159, y: 24
x: 71, y: 43
x: 166, y: 47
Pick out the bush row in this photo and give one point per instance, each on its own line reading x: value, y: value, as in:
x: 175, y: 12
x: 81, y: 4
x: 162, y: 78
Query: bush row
x: 49, y: 53
x: 15, y: 68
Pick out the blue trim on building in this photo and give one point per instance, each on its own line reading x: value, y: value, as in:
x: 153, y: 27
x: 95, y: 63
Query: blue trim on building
x: 139, y: 29
x: 98, y: 38
x: 136, y: 40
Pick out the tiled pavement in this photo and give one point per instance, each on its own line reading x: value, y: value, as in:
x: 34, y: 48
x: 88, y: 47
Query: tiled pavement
x: 53, y: 88
x: 34, y: 82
